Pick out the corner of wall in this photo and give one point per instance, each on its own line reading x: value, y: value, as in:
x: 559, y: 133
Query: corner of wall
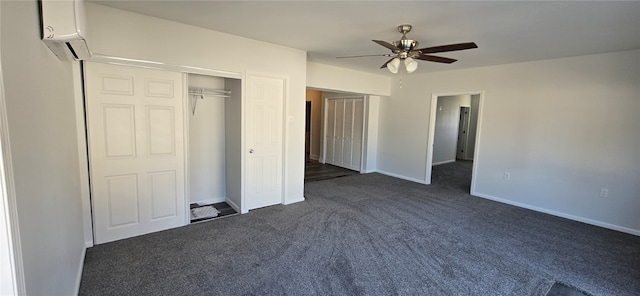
x: 289, y: 201
x: 80, y: 268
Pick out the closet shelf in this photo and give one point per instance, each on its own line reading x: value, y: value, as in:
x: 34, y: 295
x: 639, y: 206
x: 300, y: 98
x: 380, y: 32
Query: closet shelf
x: 209, y: 92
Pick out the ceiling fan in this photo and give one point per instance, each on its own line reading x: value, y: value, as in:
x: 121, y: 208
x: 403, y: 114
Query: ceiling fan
x: 405, y: 50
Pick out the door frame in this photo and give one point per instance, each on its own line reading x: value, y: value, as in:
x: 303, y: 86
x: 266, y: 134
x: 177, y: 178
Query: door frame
x: 10, y: 245
x: 323, y: 133
x: 432, y: 128
x: 308, y: 118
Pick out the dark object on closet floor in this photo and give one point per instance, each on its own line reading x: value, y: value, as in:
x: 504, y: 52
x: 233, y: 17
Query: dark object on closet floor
x: 224, y: 210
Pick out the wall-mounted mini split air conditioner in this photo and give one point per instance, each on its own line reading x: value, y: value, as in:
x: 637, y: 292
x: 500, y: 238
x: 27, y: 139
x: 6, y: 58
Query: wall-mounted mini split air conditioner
x: 64, y: 29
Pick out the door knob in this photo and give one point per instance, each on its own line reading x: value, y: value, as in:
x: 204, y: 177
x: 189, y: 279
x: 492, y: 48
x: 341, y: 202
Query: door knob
x: 250, y: 150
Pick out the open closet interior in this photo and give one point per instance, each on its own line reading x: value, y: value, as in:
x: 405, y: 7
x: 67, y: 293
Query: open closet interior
x: 214, y: 141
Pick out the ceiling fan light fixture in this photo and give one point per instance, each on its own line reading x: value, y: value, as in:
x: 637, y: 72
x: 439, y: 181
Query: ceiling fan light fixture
x: 410, y: 64
x: 394, y: 65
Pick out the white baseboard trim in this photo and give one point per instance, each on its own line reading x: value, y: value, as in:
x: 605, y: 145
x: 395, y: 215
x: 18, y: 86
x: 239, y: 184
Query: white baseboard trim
x: 443, y: 162
x: 80, y: 268
x: 88, y: 244
x: 292, y: 201
x: 559, y: 214
x: 234, y: 206
x: 403, y: 177
x: 368, y: 171
x: 314, y: 157
x: 209, y: 201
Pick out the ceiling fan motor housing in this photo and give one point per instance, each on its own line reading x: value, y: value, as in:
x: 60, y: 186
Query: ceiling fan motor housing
x: 404, y: 45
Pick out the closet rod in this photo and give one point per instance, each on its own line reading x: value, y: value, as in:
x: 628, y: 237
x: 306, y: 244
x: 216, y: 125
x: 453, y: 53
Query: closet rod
x: 209, y: 95
x: 208, y: 90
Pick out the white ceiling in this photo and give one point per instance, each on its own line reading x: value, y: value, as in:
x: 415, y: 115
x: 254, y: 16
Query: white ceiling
x: 505, y: 31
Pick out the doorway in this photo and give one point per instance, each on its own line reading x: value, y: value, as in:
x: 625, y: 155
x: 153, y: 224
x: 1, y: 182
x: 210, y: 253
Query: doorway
x: 307, y: 132
x: 213, y: 112
x: 343, y: 132
x: 338, y: 128
x: 454, y: 127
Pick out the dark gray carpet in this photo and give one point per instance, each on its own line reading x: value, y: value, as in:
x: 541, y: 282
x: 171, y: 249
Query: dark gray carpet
x: 371, y: 235
x: 560, y: 289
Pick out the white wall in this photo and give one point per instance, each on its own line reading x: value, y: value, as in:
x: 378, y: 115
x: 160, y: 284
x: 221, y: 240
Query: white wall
x: 207, y: 181
x: 315, y: 97
x: 563, y: 128
x: 372, y: 115
x: 119, y: 33
x: 445, y: 141
x: 333, y: 78
x: 233, y: 142
x: 42, y: 128
x: 473, y: 126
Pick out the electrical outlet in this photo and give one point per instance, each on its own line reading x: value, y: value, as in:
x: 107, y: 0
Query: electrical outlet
x: 604, y: 192
x: 506, y: 176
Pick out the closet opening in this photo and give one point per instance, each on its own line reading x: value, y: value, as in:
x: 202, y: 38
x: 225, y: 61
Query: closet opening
x: 214, y: 147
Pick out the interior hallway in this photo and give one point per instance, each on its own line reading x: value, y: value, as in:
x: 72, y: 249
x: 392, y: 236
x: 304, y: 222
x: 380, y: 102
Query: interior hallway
x: 315, y: 171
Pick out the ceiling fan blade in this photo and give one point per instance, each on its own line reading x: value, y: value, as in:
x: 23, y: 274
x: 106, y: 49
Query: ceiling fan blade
x: 449, y: 47
x: 430, y: 58
x: 366, y: 55
x: 387, y: 45
x: 385, y: 64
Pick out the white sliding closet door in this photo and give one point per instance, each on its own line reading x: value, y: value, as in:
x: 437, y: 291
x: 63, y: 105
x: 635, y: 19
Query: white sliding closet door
x: 329, y: 136
x: 338, y: 133
x: 136, y: 147
x: 357, y: 135
x: 343, y: 132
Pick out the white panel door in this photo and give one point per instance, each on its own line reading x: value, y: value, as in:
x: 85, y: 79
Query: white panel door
x: 265, y: 124
x: 463, y: 133
x: 135, y: 125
